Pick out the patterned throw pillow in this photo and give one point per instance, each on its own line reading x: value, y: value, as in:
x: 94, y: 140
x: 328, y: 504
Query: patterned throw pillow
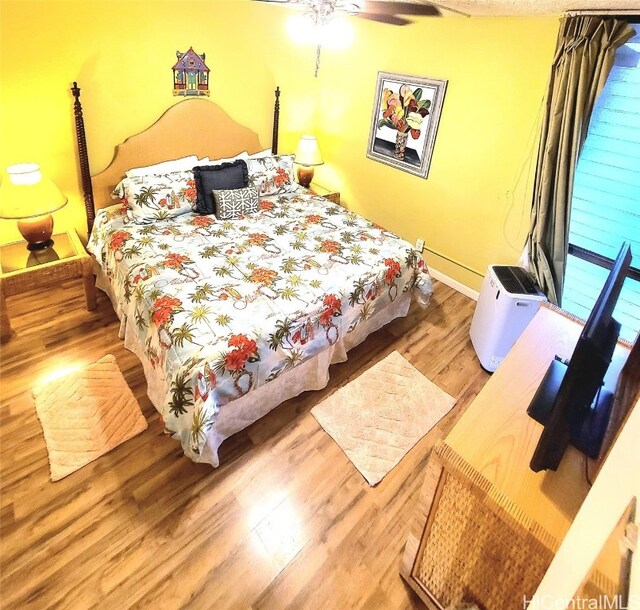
x: 157, y: 197
x: 272, y: 175
x: 232, y: 203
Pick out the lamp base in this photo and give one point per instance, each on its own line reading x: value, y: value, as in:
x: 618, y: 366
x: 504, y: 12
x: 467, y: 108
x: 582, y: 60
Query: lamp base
x: 40, y: 245
x: 305, y: 175
x: 37, y: 231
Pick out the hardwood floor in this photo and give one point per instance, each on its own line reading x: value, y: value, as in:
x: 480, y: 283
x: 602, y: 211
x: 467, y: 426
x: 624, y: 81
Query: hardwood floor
x: 285, y: 522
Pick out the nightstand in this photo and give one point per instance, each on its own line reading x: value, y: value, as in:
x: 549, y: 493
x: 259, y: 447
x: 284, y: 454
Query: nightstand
x: 333, y: 196
x: 21, y: 270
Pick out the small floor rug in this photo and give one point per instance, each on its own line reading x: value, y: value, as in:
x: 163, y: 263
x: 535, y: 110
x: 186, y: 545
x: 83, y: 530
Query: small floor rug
x: 378, y: 417
x: 86, y: 414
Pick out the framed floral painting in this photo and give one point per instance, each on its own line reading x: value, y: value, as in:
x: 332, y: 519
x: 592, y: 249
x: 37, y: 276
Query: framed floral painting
x: 405, y: 121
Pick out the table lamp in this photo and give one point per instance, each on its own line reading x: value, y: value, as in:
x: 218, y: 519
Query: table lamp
x: 30, y: 198
x: 307, y: 155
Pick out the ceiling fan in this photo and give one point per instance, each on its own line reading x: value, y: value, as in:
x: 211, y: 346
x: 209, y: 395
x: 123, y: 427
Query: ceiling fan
x: 322, y: 12
x: 383, y: 11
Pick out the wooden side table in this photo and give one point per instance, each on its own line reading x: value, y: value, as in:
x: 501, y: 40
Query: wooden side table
x: 22, y: 270
x: 333, y: 196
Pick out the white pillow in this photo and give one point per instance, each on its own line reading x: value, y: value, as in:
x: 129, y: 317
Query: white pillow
x: 262, y: 154
x: 166, y: 167
x: 207, y: 161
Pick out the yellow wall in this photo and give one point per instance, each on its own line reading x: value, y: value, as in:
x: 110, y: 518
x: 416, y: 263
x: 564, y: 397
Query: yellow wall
x: 121, y: 54
x: 474, y: 205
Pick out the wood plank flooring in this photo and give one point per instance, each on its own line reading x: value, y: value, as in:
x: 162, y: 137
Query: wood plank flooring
x: 285, y: 522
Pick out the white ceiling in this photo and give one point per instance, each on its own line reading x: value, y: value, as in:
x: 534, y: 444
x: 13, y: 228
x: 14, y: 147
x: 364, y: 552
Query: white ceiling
x: 535, y: 7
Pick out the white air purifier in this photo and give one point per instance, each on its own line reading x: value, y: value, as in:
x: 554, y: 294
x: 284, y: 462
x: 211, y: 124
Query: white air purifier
x: 508, y: 300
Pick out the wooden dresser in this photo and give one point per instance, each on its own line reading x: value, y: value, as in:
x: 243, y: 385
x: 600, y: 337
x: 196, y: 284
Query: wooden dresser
x: 487, y: 527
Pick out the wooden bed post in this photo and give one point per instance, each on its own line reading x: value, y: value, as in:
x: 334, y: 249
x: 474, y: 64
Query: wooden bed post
x: 83, y: 155
x: 276, y: 123
x: 87, y: 188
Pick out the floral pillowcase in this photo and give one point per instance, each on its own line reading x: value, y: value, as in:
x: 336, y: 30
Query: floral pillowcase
x: 272, y: 175
x: 157, y: 197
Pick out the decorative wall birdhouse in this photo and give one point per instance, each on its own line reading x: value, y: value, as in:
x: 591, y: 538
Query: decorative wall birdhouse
x: 190, y: 74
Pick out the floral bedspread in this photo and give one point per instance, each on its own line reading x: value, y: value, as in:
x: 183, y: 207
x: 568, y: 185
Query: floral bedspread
x: 222, y: 307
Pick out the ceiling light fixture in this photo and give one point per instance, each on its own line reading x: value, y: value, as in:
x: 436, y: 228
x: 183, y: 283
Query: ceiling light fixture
x: 320, y: 14
x: 324, y: 27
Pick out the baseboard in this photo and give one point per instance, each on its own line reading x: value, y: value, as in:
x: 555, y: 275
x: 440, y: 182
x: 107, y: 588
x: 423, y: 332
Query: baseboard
x: 455, y: 284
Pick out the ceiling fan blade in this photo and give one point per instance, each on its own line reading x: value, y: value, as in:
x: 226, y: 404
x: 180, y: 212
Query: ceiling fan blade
x: 385, y: 7
x: 390, y: 19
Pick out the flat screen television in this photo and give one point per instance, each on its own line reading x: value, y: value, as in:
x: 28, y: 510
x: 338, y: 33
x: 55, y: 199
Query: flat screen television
x: 572, y: 402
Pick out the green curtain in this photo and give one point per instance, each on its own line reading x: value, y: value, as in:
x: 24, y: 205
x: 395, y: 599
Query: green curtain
x: 584, y: 55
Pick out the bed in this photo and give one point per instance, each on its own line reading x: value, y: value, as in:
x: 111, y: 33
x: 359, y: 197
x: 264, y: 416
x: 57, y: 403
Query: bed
x: 232, y: 317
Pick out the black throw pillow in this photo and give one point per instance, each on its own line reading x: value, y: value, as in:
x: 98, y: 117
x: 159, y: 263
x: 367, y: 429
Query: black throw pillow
x: 226, y: 176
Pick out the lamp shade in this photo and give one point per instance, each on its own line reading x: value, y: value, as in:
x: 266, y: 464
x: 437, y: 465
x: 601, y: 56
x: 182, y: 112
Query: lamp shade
x: 26, y: 193
x: 308, y: 151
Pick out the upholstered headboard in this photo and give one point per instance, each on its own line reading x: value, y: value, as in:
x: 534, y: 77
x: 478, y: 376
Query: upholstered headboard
x: 194, y: 126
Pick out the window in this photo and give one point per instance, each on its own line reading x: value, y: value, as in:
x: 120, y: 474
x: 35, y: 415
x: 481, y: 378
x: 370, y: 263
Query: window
x: 605, y: 209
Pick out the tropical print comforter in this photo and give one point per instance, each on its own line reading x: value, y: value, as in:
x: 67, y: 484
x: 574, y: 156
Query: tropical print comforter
x: 223, y: 307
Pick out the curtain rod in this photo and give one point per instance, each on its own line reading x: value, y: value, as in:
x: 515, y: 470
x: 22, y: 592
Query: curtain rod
x: 622, y: 12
